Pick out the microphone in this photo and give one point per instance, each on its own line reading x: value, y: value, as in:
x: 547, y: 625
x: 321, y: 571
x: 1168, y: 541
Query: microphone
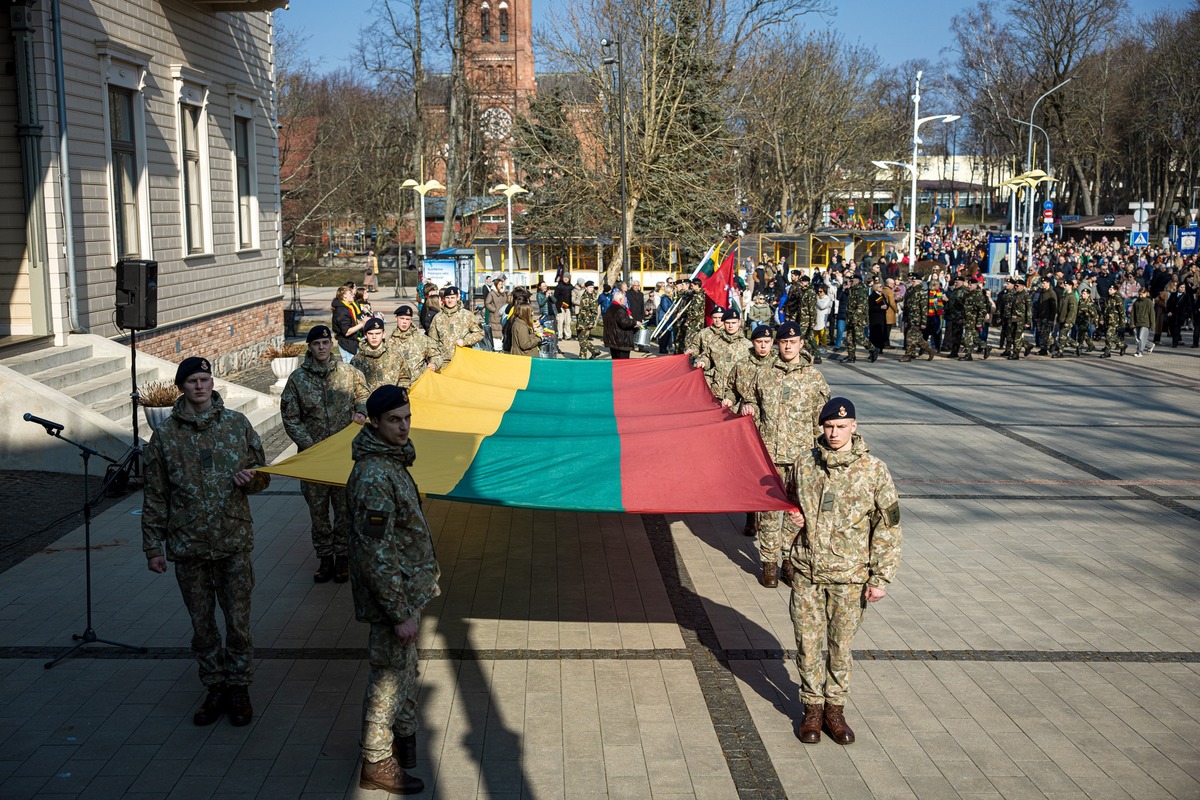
x: 50, y: 427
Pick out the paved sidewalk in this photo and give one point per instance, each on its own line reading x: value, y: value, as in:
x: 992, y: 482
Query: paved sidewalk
x: 1042, y: 638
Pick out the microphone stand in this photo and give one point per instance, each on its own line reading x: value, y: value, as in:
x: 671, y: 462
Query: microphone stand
x: 89, y: 634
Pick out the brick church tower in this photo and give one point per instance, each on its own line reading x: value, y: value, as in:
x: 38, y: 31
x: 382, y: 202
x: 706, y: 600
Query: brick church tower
x: 499, y: 66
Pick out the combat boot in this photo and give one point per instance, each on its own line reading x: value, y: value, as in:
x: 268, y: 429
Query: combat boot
x: 1078, y: 350
x: 928, y: 353
x: 404, y: 748
x: 987, y: 352
x: 1057, y: 355
x: 787, y: 572
x: 874, y: 354
x: 817, y: 359
x: 341, y: 569
x: 836, y: 726
x: 967, y: 357
x: 748, y: 529
x: 213, y: 708
x: 1027, y: 347
x: 905, y: 358
x: 810, y: 726
x: 388, y: 776
x: 1122, y: 349
x: 770, y: 574
x: 325, y: 571
x: 238, y: 703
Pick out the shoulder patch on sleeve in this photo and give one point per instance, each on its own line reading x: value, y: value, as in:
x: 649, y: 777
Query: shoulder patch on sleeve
x: 891, y: 515
x: 377, y: 522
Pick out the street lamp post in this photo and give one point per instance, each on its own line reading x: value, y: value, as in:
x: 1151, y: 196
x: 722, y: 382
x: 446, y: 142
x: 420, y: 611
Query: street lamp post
x: 918, y: 121
x: 912, y: 204
x: 509, y: 190
x: 1029, y: 160
x: 620, y: 63
x: 422, y: 189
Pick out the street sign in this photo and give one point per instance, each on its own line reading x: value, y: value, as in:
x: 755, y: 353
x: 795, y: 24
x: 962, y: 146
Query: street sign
x: 1048, y: 227
x: 1141, y: 215
x: 1139, y: 239
x: 890, y: 224
x: 1048, y: 205
x: 889, y: 214
x: 1188, y: 240
x: 1048, y: 214
x: 1110, y: 220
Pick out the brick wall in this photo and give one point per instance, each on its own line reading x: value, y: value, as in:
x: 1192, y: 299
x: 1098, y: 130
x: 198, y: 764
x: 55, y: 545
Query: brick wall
x: 232, y: 340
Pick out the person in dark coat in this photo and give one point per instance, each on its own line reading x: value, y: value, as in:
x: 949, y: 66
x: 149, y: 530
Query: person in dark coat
x: 619, y: 326
x: 636, y: 302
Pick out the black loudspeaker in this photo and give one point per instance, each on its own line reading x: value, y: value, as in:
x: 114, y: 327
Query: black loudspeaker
x: 137, y: 295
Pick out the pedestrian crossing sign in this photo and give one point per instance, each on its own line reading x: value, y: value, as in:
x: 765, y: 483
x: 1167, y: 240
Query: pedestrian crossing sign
x: 1048, y: 227
x: 1139, y: 239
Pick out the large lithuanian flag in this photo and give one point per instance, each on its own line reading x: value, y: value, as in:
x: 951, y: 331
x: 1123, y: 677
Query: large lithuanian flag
x: 643, y: 435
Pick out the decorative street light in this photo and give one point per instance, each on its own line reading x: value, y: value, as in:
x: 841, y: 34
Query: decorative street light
x: 509, y: 190
x: 1029, y: 159
x: 422, y: 189
x: 912, y: 208
x: 609, y: 60
x: 918, y: 121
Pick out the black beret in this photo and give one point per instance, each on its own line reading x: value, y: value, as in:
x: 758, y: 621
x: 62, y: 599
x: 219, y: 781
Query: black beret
x: 805, y: 279
x: 384, y: 399
x: 589, y: 283
x: 787, y: 330
x: 190, y: 366
x: 373, y: 324
x: 449, y: 290
x: 403, y: 311
x: 732, y: 314
x: 319, y: 332
x: 761, y: 332
x: 837, y: 408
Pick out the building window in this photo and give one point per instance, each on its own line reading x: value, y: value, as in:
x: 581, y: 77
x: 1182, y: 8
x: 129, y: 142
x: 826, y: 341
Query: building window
x: 245, y: 205
x: 124, y: 153
x: 504, y: 22
x: 485, y: 22
x: 245, y: 167
x: 193, y: 193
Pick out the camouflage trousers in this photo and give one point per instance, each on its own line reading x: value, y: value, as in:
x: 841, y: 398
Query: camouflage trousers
x: 1064, y: 334
x: 970, y: 338
x: 954, y: 335
x: 228, y: 581
x: 1114, y: 339
x: 825, y: 618
x: 914, y: 341
x: 327, y: 539
x: 855, y: 338
x: 769, y: 525
x: 1045, y: 332
x: 390, y: 705
x: 1014, y: 338
x: 586, y: 348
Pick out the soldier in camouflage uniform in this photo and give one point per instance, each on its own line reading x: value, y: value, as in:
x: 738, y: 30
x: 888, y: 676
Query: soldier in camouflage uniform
x: 956, y: 293
x: 738, y: 391
x: 1112, y: 317
x: 454, y: 326
x: 394, y: 575
x: 1020, y: 315
x: 693, y: 319
x: 916, y: 307
x: 199, y: 471
x: 708, y: 336
x: 586, y: 317
x: 321, y: 398
x: 802, y: 308
x: 379, y: 364
x: 414, y: 348
x: 1068, y: 311
x: 856, y: 321
x: 1047, y: 317
x: 1085, y: 320
x: 846, y: 553
x: 725, y: 349
x: 786, y: 398
x: 974, y: 309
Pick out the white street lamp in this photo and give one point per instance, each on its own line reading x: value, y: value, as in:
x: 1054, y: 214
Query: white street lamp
x: 918, y: 121
x: 422, y: 189
x: 509, y: 190
x: 912, y: 208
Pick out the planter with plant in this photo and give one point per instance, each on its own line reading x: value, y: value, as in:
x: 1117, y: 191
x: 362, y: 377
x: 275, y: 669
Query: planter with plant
x: 157, y: 399
x: 284, y: 361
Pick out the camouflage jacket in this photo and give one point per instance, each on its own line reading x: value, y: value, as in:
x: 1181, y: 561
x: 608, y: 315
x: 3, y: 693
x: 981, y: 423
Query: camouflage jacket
x: 450, y: 326
x: 1087, y: 312
x: 393, y: 568
x: 381, y: 365
x: 916, y: 306
x: 705, y: 342
x: 795, y: 300
x: 723, y: 351
x: 802, y: 307
x: 416, y: 350
x: 1020, y: 309
x: 191, y: 509
x: 693, y: 320
x: 321, y: 399
x: 739, y: 387
x: 856, y: 305
x: 1068, y: 309
x: 851, y: 530
x: 955, y: 309
x: 1113, y: 312
x: 974, y: 307
x: 588, y: 312
x: 787, y: 399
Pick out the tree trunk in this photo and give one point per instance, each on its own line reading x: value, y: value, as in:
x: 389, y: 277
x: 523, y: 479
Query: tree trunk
x: 1088, y: 205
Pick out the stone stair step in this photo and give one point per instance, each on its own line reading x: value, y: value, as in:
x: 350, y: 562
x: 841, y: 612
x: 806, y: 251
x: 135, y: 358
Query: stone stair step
x: 64, y: 376
x: 29, y: 364
x: 103, y: 388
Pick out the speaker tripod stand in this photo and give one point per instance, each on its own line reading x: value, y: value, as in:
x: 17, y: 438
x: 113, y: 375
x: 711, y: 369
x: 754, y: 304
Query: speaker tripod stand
x: 89, y: 633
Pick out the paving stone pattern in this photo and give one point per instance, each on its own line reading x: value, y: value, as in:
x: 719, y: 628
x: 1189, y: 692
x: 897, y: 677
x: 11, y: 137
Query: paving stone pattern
x: 1041, y: 639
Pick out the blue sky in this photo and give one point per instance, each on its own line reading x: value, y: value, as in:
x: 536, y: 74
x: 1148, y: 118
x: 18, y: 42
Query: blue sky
x: 899, y: 30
